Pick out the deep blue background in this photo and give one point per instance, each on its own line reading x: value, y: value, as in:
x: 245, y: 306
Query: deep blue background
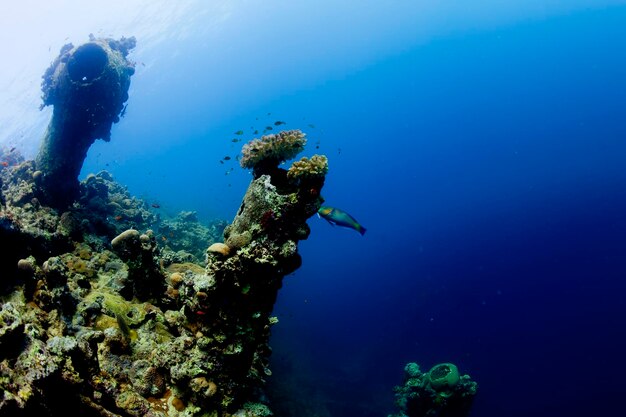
x: 490, y: 172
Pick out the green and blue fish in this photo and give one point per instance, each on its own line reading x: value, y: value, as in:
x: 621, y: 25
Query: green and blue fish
x: 334, y: 216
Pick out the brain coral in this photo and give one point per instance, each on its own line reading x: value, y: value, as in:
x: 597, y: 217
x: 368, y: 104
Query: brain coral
x: 315, y: 167
x: 273, y: 149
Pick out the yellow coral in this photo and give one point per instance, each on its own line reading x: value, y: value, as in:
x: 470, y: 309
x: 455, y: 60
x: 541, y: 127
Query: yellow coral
x: 79, y: 266
x: 184, y: 267
x: 315, y: 167
x: 83, y: 251
x: 219, y: 248
x: 273, y: 149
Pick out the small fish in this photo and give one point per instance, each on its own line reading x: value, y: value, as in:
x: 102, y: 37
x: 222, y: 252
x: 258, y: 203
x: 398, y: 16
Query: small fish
x: 239, y: 132
x: 337, y: 217
x: 155, y: 205
x: 311, y: 125
x: 221, y: 162
x: 256, y: 132
x: 269, y: 128
x: 4, y: 164
x: 235, y: 140
x: 118, y: 218
x: 279, y: 122
x: 227, y: 158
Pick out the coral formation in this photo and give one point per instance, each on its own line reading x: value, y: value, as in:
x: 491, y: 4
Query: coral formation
x: 88, y: 86
x: 101, y: 316
x: 307, y: 168
x: 140, y: 252
x: 109, y: 310
x: 219, y: 249
x: 265, y: 154
x: 439, y: 392
x: 186, y: 233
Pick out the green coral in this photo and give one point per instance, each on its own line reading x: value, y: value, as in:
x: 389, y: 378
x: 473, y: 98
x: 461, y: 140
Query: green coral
x: 238, y: 240
x: 254, y: 410
x: 272, y: 149
x: 315, y: 167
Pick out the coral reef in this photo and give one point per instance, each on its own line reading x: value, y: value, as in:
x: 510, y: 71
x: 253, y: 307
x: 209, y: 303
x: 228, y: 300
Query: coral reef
x: 109, y: 310
x: 101, y: 316
x: 440, y: 392
x: 233, y: 300
x: 10, y: 157
x: 88, y: 86
x: 186, y: 233
x: 110, y: 209
x: 103, y: 323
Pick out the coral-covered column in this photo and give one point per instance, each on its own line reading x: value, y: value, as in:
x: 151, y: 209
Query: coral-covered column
x: 88, y: 86
x: 260, y: 248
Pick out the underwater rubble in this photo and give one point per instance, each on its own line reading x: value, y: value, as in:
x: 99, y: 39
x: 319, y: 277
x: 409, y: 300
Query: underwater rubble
x: 109, y: 310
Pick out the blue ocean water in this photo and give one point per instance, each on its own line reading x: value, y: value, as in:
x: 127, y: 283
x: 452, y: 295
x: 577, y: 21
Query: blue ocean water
x: 489, y: 171
x: 488, y: 168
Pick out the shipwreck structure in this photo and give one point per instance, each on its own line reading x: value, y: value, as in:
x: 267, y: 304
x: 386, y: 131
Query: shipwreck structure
x: 88, y: 86
x: 108, y: 310
x: 99, y: 315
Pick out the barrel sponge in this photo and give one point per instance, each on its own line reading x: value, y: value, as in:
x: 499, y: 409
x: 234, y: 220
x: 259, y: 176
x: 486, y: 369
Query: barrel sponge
x: 273, y: 149
x: 315, y: 167
x: 443, y: 376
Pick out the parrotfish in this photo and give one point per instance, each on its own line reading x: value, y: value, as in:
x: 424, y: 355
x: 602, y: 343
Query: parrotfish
x: 334, y: 216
